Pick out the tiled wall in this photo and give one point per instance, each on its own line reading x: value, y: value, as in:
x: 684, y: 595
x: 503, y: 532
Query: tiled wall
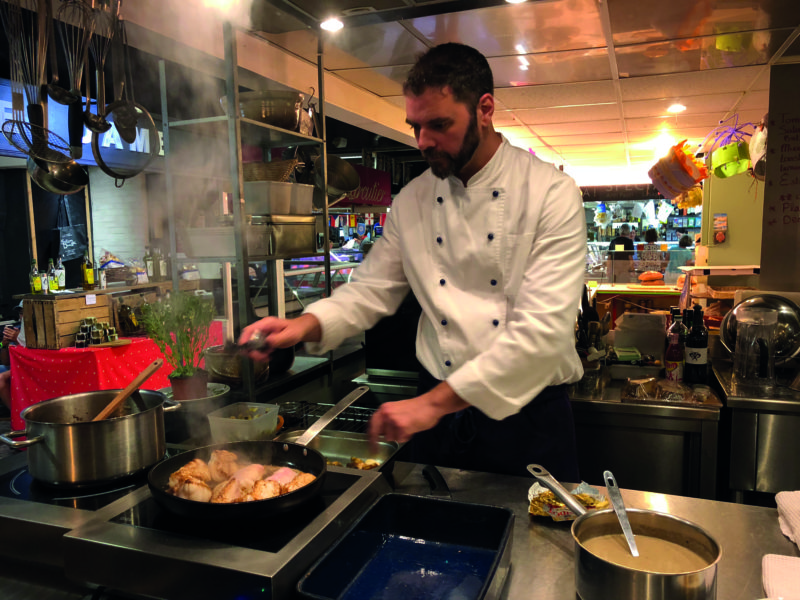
x: 119, y: 215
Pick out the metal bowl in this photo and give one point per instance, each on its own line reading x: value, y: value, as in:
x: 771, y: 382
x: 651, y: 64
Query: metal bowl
x: 280, y: 109
x: 787, y: 338
x: 225, y: 366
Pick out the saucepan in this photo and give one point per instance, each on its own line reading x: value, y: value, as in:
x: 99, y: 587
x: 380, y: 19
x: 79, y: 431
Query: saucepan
x: 67, y: 448
x: 279, y: 454
x: 677, y: 558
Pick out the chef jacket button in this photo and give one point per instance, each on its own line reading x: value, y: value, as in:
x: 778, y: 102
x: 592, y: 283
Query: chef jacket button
x: 444, y: 321
x: 441, y: 282
x: 495, y: 194
x: 493, y: 282
x: 490, y: 236
x: 439, y: 240
x: 495, y: 322
x: 440, y: 199
x: 447, y: 363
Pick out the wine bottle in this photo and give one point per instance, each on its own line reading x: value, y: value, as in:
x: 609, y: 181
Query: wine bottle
x: 62, y: 274
x: 148, y: 265
x: 696, y: 351
x: 674, y: 358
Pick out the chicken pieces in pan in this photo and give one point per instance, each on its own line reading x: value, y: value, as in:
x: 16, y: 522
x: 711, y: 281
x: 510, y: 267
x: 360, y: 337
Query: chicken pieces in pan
x: 225, y: 480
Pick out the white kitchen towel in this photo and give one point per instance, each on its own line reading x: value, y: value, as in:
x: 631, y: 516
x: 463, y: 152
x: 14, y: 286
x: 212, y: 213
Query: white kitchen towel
x: 781, y: 576
x: 789, y: 514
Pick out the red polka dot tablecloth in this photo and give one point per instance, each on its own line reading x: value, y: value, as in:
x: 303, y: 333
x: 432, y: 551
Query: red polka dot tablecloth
x: 39, y: 375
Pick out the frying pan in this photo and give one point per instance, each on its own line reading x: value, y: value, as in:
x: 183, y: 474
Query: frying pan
x: 282, y: 454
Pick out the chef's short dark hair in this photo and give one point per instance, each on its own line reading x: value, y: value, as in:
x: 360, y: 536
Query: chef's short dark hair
x: 457, y: 66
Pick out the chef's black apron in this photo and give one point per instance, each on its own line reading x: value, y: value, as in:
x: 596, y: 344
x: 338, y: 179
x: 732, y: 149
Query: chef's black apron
x: 543, y: 433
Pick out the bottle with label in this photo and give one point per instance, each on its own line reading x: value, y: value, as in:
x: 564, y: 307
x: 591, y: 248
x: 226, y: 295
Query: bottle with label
x: 674, y: 358
x: 62, y: 274
x: 88, y: 272
x: 163, y: 267
x: 127, y: 319
x: 45, y: 281
x: 35, y: 280
x: 148, y: 264
x: 696, y: 352
x: 52, y: 276
x: 157, y: 274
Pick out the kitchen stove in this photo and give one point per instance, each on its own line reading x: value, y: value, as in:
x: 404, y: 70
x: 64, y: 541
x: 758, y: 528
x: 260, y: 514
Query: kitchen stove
x: 116, y: 536
x: 134, y: 546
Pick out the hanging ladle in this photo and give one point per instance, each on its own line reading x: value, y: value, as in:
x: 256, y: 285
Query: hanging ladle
x: 54, y: 89
x: 133, y: 386
x: 619, y: 507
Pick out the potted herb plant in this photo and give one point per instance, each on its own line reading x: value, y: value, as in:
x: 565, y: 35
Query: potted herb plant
x: 179, y: 325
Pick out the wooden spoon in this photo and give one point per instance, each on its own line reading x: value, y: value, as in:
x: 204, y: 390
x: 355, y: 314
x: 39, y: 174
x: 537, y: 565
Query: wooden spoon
x: 132, y: 387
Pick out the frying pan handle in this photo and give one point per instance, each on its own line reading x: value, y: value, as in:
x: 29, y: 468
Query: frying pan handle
x: 329, y: 416
x: 6, y: 439
x: 543, y: 476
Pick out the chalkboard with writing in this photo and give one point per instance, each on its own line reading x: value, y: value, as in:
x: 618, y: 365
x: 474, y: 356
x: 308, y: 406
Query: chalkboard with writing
x: 780, y: 240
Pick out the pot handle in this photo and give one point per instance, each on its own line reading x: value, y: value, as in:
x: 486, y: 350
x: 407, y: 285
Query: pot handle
x: 6, y: 439
x: 171, y: 406
x: 543, y: 476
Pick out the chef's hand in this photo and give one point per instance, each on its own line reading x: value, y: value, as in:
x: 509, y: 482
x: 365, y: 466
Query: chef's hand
x: 273, y: 333
x: 398, y: 421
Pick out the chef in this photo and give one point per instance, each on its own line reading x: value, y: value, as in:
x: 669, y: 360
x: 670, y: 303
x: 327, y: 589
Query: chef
x: 492, y: 242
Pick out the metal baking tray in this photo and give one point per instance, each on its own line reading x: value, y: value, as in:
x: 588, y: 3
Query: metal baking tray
x: 416, y: 547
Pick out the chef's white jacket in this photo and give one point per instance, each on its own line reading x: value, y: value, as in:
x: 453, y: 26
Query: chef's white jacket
x: 497, y: 267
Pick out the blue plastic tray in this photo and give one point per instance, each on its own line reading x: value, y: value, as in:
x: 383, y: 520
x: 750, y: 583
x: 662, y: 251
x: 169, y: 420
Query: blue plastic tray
x: 413, y: 548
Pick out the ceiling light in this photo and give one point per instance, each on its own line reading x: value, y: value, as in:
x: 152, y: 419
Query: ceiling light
x: 523, y: 67
x: 523, y: 60
x: 515, y: 1
x: 520, y: 48
x: 676, y: 108
x: 332, y: 24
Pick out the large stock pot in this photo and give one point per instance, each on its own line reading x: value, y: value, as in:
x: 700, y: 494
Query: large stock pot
x: 66, y: 448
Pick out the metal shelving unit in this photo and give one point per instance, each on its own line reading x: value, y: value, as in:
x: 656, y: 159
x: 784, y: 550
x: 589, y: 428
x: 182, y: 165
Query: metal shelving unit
x: 239, y: 131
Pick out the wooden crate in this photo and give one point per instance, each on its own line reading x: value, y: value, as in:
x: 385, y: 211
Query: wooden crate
x: 51, y: 322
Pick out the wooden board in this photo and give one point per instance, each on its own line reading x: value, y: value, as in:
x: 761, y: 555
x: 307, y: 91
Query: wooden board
x: 111, y: 344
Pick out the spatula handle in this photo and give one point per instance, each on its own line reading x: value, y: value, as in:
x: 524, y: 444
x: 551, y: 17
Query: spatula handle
x: 132, y: 387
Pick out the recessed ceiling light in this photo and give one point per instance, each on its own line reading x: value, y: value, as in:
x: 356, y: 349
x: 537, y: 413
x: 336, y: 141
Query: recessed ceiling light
x: 515, y: 1
x: 676, y: 108
x: 332, y: 24
x: 523, y: 67
x: 520, y: 48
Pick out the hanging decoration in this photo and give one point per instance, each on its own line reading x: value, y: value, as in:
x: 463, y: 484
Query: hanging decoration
x: 729, y: 149
x: 758, y: 150
x: 690, y: 198
x: 677, y: 172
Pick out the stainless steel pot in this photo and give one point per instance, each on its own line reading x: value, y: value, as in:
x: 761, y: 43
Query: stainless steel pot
x: 65, y: 448
x: 599, y: 579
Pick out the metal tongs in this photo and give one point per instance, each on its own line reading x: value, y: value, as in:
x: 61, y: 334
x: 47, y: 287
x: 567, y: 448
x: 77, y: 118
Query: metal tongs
x: 257, y: 343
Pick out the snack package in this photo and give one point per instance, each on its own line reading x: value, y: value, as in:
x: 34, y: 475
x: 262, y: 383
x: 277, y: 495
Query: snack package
x: 544, y: 503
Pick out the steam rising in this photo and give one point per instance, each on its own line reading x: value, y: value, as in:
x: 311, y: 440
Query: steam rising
x: 235, y: 11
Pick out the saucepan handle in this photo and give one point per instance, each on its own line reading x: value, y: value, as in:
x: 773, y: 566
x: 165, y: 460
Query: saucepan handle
x: 171, y: 406
x: 543, y: 476
x: 329, y: 416
x: 6, y: 439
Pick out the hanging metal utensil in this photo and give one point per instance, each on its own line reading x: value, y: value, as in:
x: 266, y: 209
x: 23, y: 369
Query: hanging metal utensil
x: 125, y: 113
x: 105, y: 26
x: 75, y: 27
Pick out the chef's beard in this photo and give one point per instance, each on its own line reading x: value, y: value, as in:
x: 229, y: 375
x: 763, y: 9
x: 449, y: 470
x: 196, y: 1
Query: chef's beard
x: 443, y: 164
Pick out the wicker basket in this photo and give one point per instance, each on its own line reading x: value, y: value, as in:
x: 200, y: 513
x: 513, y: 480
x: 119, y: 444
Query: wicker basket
x: 277, y: 170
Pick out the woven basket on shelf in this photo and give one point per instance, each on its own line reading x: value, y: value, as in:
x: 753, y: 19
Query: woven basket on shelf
x: 277, y: 170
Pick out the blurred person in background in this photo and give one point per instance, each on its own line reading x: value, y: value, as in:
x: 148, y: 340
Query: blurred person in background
x: 619, y: 266
x: 682, y: 256
x: 12, y: 335
x: 650, y: 256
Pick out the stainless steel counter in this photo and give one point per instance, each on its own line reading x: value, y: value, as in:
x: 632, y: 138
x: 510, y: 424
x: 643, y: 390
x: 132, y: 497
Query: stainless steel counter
x: 764, y: 434
x: 542, y: 553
